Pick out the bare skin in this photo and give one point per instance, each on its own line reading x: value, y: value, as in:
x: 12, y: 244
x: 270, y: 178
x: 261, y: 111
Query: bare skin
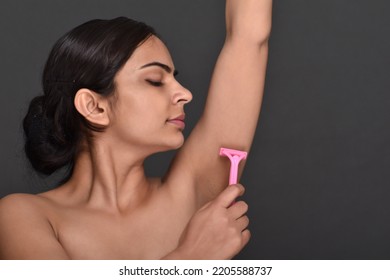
x: 109, y: 209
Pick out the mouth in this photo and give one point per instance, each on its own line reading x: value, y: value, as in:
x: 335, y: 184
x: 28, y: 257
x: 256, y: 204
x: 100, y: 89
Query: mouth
x: 178, y: 121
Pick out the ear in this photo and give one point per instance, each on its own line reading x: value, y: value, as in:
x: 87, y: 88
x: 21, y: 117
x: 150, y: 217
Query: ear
x: 92, y: 106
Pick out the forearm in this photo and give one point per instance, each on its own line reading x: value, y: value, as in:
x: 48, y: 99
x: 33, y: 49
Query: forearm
x: 248, y: 20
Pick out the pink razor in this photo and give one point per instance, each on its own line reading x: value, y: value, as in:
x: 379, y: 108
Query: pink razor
x: 235, y: 157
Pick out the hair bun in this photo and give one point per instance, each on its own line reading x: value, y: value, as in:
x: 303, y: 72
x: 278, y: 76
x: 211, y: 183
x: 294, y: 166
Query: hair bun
x: 44, y: 147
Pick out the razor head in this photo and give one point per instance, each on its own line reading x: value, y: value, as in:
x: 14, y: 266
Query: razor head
x: 235, y: 156
x: 233, y: 153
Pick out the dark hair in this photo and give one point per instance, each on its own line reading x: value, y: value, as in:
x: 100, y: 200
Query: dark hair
x: 88, y: 56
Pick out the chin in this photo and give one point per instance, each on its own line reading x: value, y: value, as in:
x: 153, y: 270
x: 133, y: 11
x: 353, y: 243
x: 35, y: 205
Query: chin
x: 173, y: 144
x: 179, y: 145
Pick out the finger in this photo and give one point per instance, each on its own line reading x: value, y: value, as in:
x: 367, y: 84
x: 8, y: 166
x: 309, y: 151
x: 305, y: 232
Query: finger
x: 238, y: 209
x: 242, y: 223
x: 246, y: 235
x: 227, y: 196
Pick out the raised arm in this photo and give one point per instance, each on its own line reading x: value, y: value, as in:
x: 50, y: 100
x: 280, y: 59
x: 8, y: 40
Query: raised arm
x: 234, y: 100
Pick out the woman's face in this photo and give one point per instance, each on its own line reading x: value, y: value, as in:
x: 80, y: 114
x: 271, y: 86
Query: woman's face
x: 149, y: 107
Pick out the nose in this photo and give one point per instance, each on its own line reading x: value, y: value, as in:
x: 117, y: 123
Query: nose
x: 181, y: 95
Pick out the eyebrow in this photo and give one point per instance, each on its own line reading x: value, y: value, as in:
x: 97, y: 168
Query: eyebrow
x: 162, y: 65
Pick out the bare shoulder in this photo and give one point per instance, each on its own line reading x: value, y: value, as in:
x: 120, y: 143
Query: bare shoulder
x: 16, y: 204
x: 21, y: 204
x: 25, y: 228
x: 19, y: 212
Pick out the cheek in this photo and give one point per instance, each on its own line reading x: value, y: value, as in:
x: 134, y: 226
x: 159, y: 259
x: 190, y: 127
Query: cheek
x: 141, y: 115
x: 149, y: 112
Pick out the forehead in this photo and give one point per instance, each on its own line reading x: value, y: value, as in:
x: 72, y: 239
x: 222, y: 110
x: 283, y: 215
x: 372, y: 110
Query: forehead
x: 152, y: 50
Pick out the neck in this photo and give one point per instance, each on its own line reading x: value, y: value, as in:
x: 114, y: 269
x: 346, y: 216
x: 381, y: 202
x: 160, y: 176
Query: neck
x: 106, y: 176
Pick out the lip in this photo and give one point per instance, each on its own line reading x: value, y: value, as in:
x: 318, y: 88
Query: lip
x: 178, y: 121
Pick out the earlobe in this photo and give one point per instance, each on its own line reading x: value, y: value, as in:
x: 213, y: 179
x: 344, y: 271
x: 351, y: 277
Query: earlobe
x: 92, y: 106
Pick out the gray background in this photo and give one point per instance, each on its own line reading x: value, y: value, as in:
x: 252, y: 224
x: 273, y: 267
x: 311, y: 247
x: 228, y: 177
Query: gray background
x: 317, y: 177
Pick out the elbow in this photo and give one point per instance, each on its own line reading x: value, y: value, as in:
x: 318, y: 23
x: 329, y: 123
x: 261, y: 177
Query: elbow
x: 245, y: 39
x: 251, y: 35
x: 249, y: 20
x: 263, y: 41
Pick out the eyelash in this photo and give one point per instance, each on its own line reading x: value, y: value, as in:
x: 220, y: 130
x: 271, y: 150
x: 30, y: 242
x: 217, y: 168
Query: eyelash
x: 155, y: 83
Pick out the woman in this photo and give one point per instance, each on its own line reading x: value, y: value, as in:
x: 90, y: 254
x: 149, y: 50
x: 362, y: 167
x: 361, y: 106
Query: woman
x: 111, y: 100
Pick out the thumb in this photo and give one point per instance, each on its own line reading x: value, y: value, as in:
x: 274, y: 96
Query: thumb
x: 227, y: 196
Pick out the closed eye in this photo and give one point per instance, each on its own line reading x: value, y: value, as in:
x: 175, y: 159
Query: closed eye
x: 155, y: 83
